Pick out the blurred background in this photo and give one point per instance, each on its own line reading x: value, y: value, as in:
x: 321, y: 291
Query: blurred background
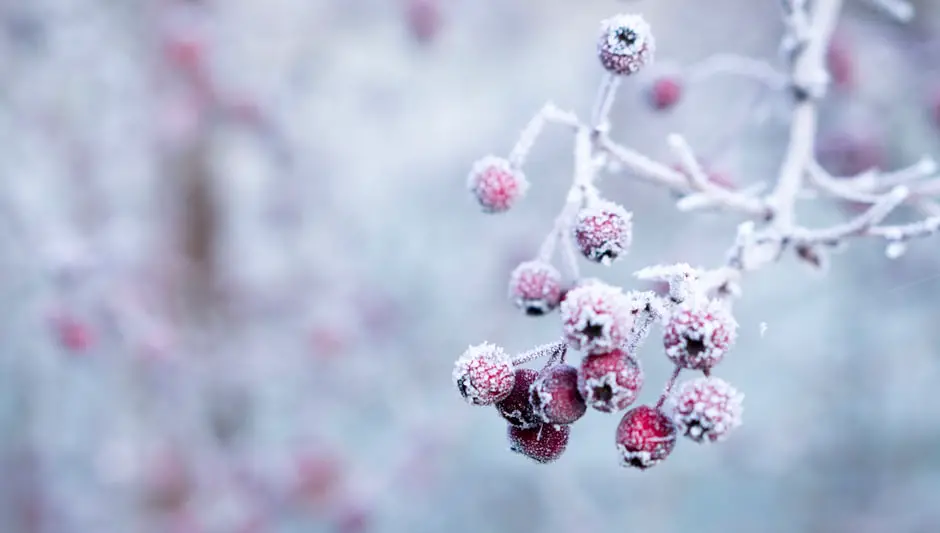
x: 238, y: 260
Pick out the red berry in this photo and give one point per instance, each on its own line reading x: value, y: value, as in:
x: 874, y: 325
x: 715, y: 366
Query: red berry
x: 610, y: 381
x: 596, y: 317
x: 645, y: 437
x: 840, y: 63
x: 535, y: 287
x: 73, y: 334
x: 706, y: 409
x: 544, y: 443
x: 850, y: 154
x: 625, y: 44
x: 603, y: 231
x: 698, y: 334
x: 496, y: 184
x: 665, y: 93
x: 423, y: 18
x: 484, y: 374
x: 555, y: 397
x: 516, y: 408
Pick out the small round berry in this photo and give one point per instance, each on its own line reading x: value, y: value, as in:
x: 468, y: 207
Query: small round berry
x: 516, y: 408
x: 555, y: 397
x: 484, y: 374
x: 496, y: 184
x: 645, y: 437
x: 535, y: 287
x: 698, y: 335
x: 543, y: 444
x: 626, y: 44
x: 603, y: 231
x: 596, y: 317
x: 610, y: 381
x: 665, y: 92
x: 706, y: 409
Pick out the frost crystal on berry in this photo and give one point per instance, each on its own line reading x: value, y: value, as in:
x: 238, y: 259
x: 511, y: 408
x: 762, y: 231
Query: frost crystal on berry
x: 645, y: 437
x: 610, y: 381
x: 706, y: 409
x: 603, y: 231
x: 484, y: 374
x: 516, y: 408
x: 626, y: 44
x: 698, y: 334
x: 535, y: 287
x: 543, y: 444
x: 596, y: 317
x: 555, y: 397
x: 496, y: 184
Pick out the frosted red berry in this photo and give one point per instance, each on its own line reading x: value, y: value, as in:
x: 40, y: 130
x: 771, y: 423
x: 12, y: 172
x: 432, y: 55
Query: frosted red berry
x: 535, y: 287
x: 645, y: 437
x: 610, y: 381
x: 555, y: 397
x: 516, y: 408
x: 698, y: 334
x: 625, y: 44
x: 596, y: 317
x: 603, y: 231
x: 484, y: 374
x: 543, y: 444
x: 495, y: 184
x: 665, y: 92
x: 706, y: 409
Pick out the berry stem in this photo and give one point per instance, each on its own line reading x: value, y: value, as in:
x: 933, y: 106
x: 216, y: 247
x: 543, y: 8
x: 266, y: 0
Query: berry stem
x: 551, y: 349
x: 604, y: 101
x: 668, y: 388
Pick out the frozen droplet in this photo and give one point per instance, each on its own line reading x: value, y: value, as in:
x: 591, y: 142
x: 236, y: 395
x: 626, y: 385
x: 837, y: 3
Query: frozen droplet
x: 895, y: 249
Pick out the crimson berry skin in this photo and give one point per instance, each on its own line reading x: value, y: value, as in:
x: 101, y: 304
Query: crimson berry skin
x: 611, y: 381
x: 555, y: 397
x: 625, y: 44
x: 645, y: 437
x: 596, y: 317
x: 496, y: 184
x: 698, y: 334
x: 665, y: 93
x: 603, y: 231
x: 535, y: 287
x: 706, y: 409
x: 516, y: 408
x: 543, y: 444
x: 484, y: 374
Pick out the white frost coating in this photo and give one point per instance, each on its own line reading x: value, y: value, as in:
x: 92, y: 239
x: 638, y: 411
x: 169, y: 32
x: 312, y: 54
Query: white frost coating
x: 895, y: 249
x: 683, y: 279
x: 699, y: 332
x: 620, y: 396
x: 596, y: 317
x: 535, y: 287
x: 706, y: 409
x: 646, y: 308
x: 603, y: 231
x: 483, y: 374
x: 479, y: 180
x: 626, y: 43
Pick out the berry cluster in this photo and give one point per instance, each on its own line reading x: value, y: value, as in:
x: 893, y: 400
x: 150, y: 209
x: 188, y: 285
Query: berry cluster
x: 539, y: 407
x: 600, y: 320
